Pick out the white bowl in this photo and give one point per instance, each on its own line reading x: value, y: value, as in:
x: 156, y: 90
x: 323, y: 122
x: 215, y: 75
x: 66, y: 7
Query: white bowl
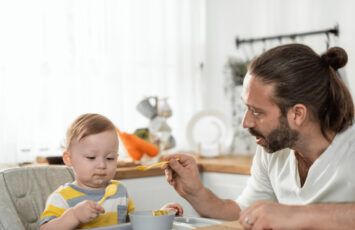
x: 144, y: 220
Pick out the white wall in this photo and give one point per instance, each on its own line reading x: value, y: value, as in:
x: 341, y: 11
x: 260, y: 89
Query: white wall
x: 60, y: 59
x: 226, y: 19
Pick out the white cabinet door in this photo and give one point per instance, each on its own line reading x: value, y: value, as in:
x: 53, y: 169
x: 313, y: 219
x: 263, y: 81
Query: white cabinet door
x: 151, y: 193
x: 225, y: 185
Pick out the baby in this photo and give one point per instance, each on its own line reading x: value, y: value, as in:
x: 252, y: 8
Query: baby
x: 92, y: 151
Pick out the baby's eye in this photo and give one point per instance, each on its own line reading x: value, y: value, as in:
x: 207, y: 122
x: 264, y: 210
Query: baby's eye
x: 110, y: 158
x: 90, y: 158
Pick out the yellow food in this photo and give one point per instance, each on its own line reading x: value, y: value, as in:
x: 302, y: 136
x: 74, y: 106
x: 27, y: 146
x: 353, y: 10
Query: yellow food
x: 160, y: 212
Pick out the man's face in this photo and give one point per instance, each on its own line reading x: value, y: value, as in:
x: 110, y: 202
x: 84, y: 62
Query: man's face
x: 279, y: 138
x: 263, y: 117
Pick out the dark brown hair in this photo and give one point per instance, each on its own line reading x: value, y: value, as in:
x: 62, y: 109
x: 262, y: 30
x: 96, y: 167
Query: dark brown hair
x: 302, y: 76
x: 87, y: 124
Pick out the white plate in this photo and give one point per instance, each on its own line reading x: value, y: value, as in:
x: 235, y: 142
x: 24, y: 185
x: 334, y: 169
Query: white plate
x: 185, y: 223
x: 209, y: 133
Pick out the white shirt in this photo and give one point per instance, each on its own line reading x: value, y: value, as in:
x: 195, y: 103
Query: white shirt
x: 331, y: 178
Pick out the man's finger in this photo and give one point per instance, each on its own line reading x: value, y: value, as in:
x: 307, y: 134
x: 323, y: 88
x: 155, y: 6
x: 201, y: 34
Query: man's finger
x: 168, y: 174
x: 176, y: 166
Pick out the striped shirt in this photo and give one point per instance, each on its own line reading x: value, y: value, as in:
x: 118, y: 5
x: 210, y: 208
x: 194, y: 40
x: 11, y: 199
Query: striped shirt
x: 67, y: 196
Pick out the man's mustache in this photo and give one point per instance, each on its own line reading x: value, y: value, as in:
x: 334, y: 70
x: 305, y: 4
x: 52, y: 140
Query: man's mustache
x: 255, y: 133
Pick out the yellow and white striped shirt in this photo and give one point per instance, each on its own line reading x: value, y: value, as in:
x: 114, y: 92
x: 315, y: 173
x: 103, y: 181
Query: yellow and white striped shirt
x: 66, y: 196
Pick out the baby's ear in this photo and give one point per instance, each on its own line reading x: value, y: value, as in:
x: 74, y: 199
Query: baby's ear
x: 67, y: 158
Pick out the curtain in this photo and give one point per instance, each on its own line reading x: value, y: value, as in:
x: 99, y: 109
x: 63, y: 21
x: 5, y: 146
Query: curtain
x: 63, y: 58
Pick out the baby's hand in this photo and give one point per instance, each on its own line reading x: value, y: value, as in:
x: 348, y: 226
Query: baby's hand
x: 87, y: 210
x: 175, y: 207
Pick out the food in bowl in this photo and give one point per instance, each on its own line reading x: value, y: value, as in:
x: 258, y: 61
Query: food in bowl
x: 146, y: 220
x: 160, y: 212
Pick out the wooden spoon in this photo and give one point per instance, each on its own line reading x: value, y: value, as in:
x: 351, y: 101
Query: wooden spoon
x: 155, y: 165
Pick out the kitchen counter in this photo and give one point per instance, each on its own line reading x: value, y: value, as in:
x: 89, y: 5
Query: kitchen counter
x: 224, y: 164
x: 232, y: 225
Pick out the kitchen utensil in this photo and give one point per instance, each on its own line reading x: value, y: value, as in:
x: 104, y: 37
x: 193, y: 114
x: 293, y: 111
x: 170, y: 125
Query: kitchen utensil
x: 159, y: 124
x: 148, y: 107
x: 109, y: 191
x: 155, y: 165
x: 164, y: 109
x: 144, y: 220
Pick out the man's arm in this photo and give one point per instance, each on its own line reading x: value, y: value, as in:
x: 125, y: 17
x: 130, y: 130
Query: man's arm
x: 267, y: 215
x: 183, y: 174
x: 207, y: 204
x: 329, y: 216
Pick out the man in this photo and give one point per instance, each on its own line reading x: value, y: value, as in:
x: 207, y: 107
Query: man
x: 301, y: 114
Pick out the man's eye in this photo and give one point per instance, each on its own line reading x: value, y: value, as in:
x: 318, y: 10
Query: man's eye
x: 91, y: 158
x: 256, y: 113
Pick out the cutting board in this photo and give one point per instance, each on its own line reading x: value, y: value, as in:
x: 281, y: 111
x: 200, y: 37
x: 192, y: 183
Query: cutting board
x: 233, y: 225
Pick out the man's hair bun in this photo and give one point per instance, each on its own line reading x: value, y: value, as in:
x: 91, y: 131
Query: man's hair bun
x: 335, y: 57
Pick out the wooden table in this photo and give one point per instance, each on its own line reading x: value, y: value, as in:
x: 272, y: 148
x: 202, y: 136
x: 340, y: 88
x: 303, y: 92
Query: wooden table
x: 232, y: 225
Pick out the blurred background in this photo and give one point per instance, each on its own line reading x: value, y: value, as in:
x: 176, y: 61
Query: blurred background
x: 59, y: 59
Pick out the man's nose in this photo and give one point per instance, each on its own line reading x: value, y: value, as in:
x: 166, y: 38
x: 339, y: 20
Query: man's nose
x: 248, y: 120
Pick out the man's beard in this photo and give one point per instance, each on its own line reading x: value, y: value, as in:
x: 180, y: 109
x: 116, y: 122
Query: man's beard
x: 280, y: 138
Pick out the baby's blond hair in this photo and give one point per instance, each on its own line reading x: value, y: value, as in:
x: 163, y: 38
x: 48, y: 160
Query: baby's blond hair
x: 85, y: 125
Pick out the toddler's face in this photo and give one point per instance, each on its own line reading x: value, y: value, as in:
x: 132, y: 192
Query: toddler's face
x: 94, y: 159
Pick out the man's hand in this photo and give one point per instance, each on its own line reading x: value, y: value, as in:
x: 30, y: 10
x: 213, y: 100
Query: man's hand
x: 269, y: 215
x: 182, y: 173
x: 87, y: 211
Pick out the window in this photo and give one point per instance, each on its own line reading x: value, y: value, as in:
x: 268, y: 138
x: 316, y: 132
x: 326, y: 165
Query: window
x: 59, y: 59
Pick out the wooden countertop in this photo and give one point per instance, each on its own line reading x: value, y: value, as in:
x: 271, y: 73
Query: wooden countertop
x: 223, y: 164
x: 232, y: 225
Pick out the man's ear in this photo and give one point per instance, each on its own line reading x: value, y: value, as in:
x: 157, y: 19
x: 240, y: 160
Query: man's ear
x: 297, y: 115
x: 67, y: 158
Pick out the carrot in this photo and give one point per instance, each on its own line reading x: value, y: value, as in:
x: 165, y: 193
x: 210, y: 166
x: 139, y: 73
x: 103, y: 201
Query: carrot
x: 144, y: 146
x: 136, y: 146
x: 130, y: 147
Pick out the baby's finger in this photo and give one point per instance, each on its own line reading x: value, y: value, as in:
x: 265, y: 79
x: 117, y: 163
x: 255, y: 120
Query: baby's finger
x: 179, y: 210
x: 99, y: 208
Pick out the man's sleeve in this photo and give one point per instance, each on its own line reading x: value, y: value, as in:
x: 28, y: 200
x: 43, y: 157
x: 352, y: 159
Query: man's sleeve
x: 259, y: 186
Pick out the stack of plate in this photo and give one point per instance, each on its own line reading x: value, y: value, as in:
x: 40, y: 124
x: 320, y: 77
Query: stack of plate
x: 209, y: 133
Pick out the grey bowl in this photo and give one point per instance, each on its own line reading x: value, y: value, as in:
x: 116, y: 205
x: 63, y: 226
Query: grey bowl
x: 144, y: 220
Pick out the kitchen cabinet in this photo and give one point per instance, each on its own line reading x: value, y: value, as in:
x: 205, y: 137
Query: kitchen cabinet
x: 153, y: 192
x: 225, y: 185
x: 226, y: 176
